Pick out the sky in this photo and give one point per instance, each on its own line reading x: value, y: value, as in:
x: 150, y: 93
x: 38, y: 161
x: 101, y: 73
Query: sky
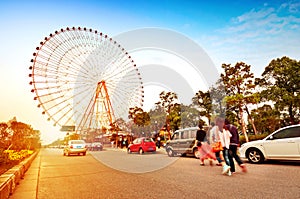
x: 254, y: 32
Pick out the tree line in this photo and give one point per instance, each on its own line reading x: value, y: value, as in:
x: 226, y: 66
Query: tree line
x: 267, y: 102
x: 17, y: 136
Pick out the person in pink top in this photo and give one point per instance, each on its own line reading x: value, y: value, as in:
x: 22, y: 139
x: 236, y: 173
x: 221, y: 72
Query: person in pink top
x: 205, y: 150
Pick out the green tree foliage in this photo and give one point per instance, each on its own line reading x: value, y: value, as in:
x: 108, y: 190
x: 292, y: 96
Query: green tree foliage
x: 139, y: 116
x: 239, y: 84
x: 266, y: 119
x: 121, y: 124
x: 189, y: 116
x: 158, y: 118
x: 217, y: 95
x: 23, y: 136
x: 204, y: 102
x: 281, y: 84
x: 4, y: 139
x: 167, y: 101
x: 175, y: 117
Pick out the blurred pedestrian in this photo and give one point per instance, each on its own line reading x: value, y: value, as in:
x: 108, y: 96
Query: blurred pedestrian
x: 204, y: 149
x: 220, y: 143
x: 158, y: 141
x: 211, y: 139
x: 234, y: 143
x: 126, y: 142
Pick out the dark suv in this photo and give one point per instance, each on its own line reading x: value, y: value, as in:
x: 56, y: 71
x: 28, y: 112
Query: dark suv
x: 183, y: 142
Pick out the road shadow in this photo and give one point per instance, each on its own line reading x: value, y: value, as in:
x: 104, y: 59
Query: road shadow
x: 278, y: 162
x: 283, y: 162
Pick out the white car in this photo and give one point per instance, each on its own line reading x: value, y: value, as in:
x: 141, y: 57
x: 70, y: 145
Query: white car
x: 283, y: 144
x: 75, y: 147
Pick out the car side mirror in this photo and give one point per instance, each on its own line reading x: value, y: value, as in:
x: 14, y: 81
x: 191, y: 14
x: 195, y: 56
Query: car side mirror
x: 271, y: 138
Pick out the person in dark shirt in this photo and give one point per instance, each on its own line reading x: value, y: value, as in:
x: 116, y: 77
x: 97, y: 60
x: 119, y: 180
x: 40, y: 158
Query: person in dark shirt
x: 234, y: 143
x: 205, y: 150
x: 201, y: 134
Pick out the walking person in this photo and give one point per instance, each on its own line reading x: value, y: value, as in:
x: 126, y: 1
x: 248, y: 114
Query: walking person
x: 158, y: 141
x: 234, y: 143
x: 204, y: 149
x: 212, y: 138
x: 225, y: 136
x: 220, y: 140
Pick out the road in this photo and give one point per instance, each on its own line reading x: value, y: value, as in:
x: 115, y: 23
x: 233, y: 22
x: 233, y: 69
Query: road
x: 116, y: 174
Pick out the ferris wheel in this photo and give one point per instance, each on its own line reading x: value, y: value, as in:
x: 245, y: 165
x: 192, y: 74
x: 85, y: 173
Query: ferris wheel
x: 83, y: 78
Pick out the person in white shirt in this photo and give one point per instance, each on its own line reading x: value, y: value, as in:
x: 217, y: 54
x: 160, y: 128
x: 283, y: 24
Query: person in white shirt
x: 221, y: 133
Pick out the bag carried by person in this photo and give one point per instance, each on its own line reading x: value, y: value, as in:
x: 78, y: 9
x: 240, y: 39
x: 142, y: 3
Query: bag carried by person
x: 217, y: 146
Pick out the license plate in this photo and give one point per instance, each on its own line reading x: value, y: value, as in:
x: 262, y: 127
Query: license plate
x: 78, y: 147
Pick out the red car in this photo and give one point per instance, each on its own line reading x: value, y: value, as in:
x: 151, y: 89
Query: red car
x: 141, y: 145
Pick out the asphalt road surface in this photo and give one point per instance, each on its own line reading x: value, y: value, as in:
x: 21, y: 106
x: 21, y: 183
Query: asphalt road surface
x: 116, y: 174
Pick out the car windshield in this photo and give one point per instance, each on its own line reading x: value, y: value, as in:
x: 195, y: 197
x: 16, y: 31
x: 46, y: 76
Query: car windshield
x: 175, y: 136
x: 137, y: 141
x: 148, y: 140
x: 77, y: 142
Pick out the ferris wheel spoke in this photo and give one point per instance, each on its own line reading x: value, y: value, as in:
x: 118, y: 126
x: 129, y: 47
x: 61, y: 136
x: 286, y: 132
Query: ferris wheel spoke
x: 52, y: 93
x: 58, y: 112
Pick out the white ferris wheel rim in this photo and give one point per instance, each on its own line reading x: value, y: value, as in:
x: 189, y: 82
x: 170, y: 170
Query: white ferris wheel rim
x: 68, y: 65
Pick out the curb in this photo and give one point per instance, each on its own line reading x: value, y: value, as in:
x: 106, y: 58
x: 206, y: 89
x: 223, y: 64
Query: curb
x: 11, y: 178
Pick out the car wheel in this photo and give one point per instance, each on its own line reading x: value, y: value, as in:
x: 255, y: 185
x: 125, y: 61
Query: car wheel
x: 196, y: 153
x: 170, y: 152
x: 128, y: 150
x: 84, y: 153
x: 255, y: 156
x: 141, y: 151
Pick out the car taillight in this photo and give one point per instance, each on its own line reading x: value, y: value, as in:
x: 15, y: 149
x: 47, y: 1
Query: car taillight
x: 71, y: 146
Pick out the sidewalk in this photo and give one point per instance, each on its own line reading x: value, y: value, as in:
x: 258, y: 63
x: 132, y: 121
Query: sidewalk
x: 27, y: 189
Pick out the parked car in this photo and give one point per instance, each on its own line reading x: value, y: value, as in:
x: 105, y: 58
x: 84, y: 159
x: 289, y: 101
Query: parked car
x: 183, y: 142
x: 75, y: 147
x: 283, y: 144
x: 96, y: 146
x: 141, y: 145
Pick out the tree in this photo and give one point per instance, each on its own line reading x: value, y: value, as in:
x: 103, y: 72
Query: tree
x: 204, y: 102
x: 239, y: 86
x: 217, y: 95
x: 4, y: 142
x: 189, y: 116
x: 158, y: 118
x: 281, y: 84
x: 23, y: 136
x: 139, y: 116
x: 167, y: 101
x: 175, y: 117
x: 266, y: 119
